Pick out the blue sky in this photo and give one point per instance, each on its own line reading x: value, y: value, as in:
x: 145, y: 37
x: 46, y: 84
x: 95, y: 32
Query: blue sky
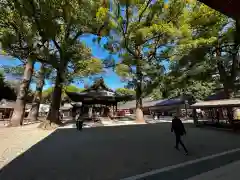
x: 111, y: 79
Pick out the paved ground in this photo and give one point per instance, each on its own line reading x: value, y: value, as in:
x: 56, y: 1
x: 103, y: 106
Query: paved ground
x: 112, y: 153
x: 15, y: 141
x: 227, y: 172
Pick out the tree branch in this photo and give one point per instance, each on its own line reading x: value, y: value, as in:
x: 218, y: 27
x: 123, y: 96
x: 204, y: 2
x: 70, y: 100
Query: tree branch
x: 141, y: 14
x: 79, y: 33
x: 34, y: 14
x: 57, y: 45
x: 127, y: 16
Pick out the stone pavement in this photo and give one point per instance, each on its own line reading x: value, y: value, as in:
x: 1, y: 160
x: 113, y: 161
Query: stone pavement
x: 227, y: 172
x: 103, y: 123
x: 112, y: 153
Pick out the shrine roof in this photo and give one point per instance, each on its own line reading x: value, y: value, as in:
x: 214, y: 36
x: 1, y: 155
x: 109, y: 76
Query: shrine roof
x: 228, y: 7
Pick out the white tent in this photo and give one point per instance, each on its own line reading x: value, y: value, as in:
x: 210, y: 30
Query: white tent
x: 44, y: 108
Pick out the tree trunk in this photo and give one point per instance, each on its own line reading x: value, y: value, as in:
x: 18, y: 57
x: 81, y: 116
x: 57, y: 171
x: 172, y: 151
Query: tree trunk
x: 139, y: 107
x: 19, y: 109
x: 33, y: 114
x: 226, y: 80
x: 229, y: 95
x: 53, y: 115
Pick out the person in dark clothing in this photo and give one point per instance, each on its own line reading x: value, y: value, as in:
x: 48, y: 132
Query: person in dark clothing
x: 79, y: 122
x: 179, y: 130
x: 76, y: 117
x: 74, y: 112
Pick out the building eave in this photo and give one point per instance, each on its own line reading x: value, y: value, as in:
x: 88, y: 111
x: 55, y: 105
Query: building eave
x: 228, y: 7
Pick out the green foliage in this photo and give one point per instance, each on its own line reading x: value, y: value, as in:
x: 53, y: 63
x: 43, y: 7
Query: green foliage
x: 7, y: 92
x: 143, y: 32
x: 123, y: 71
x: 16, y: 71
x: 205, y: 26
x: 82, y: 64
x: 206, y: 56
x: 17, y: 33
x: 47, y: 94
x: 125, y: 91
x: 1, y: 79
x: 171, y: 86
x: 49, y: 31
x: 29, y: 26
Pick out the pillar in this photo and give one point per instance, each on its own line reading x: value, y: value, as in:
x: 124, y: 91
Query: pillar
x: 90, y: 112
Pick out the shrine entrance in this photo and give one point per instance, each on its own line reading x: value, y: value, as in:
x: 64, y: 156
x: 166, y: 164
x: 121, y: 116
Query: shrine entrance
x: 98, y: 100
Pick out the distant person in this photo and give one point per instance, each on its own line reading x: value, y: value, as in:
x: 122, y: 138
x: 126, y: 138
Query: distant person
x: 218, y: 115
x: 79, y: 121
x: 76, y: 117
x: 179, y: 130
x: 74, y: 112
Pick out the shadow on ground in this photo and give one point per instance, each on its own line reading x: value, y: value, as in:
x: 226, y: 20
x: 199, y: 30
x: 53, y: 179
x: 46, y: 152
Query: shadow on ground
x: 110, y: 153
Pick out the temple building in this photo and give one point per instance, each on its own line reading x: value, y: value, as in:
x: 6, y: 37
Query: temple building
x: 98, y: 99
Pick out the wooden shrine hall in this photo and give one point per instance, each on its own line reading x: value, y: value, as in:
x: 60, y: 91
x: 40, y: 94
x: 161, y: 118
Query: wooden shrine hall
x: 99, y: 98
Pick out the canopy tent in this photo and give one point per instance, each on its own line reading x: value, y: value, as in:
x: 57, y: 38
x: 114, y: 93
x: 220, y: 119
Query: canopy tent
x: 146, y: 102
x: 189, y: 99
x: 227, y: 7
x: 220, y: 94
x: 174, y: 104
x: 217, y: 96
x: 171, y: 102
x: 217, y: 103
x: 98, y: 93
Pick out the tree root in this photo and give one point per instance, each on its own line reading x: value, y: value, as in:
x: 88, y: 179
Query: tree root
x: 48, y: 125
x: 139, y: 116
x: 140, y: 121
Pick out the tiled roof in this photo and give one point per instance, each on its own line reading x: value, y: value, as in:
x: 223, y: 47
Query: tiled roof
x: 218, y: 103
x: 147, y: 102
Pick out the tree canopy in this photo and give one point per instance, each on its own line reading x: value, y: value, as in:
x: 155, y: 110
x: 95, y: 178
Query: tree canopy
x: 47, y: 93
x: 200, y: 45
x: 210, y: 52
x: 125, y: 91
x: 7, y: 92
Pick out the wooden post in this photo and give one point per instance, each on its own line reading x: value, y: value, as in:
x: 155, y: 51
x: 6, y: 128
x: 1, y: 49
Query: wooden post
x: 90, y: 111
x: 102, y: 110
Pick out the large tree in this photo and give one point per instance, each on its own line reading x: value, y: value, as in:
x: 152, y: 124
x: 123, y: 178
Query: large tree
x: 38, y: 78
x: 41, y: 75
x: 47, y: 93
x: 62, y: 22
x: 77, y: 18
x: 212, y: 47
x: 19, y: 38
x: 142, y: 32
x: 80, y: 66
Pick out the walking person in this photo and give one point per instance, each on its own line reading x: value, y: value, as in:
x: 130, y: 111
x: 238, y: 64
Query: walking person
x: 79, y: 121
x: 74, y: 113
x: 77, y: 118
x: 179, y: 130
